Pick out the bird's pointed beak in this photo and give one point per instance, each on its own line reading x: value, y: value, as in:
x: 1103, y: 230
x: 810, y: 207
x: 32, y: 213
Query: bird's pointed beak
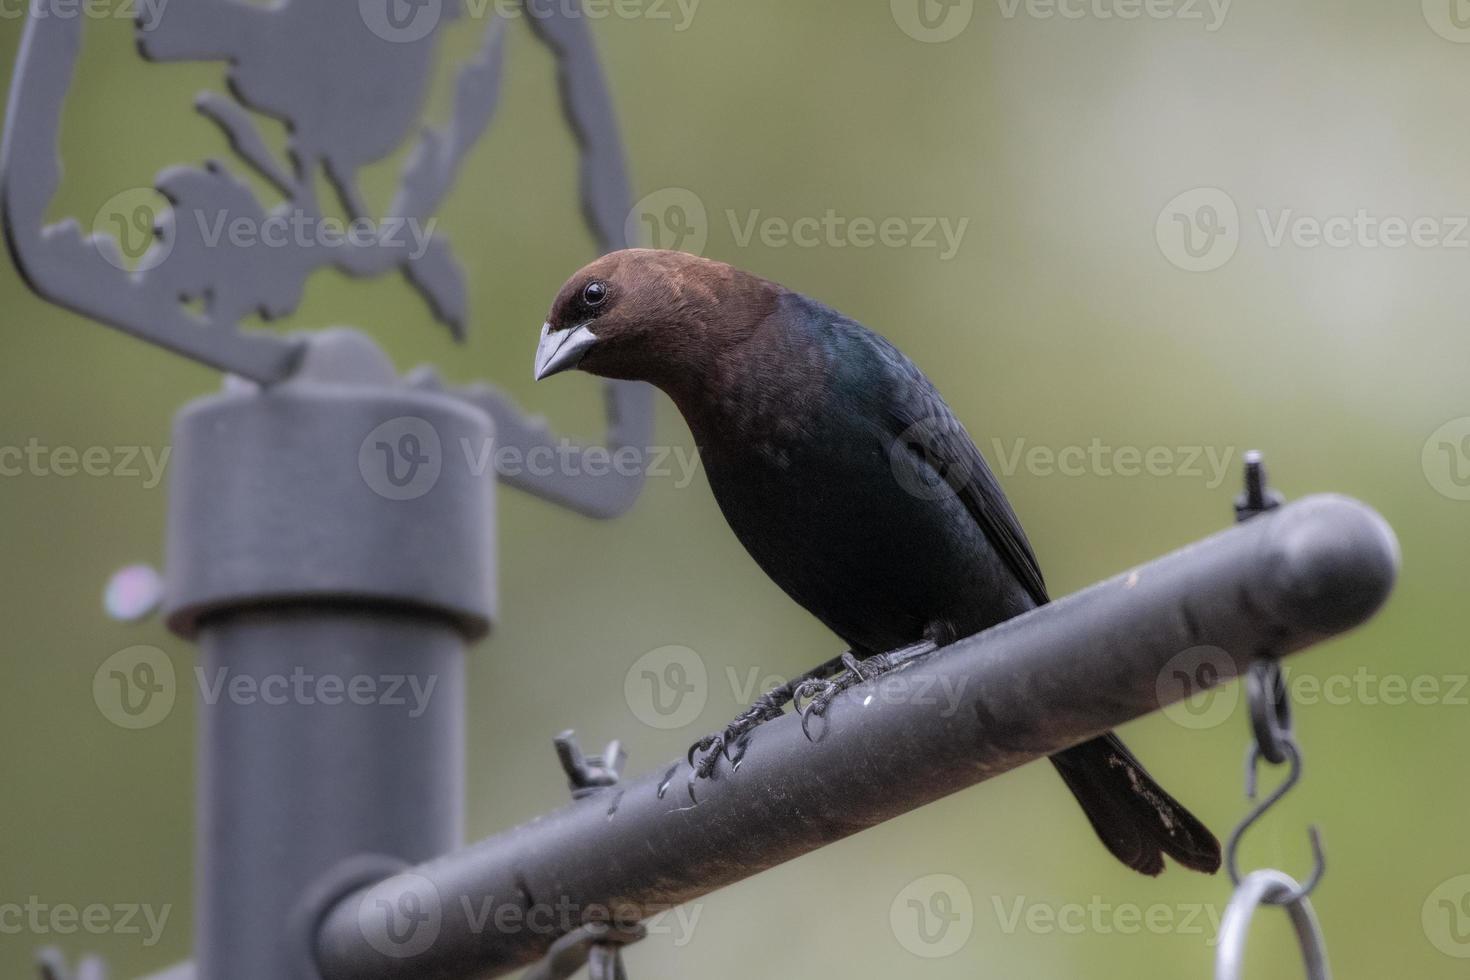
x: 558, y: 352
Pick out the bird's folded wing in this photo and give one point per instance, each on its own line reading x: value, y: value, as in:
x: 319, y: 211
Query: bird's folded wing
x: 929, y: 429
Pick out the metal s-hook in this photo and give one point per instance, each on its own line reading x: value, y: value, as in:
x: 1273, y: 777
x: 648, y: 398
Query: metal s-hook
x: 1293, y: 757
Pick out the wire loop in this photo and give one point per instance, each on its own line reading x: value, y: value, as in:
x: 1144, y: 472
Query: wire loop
x: 1270, y: 888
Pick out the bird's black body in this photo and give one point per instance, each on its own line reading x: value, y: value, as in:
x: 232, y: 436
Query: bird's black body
x: 865, y: 499
x: 852, y: 484
x: 842, y: 499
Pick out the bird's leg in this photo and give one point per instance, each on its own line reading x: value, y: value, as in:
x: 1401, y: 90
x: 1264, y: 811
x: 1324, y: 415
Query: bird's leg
x: 735, y: 735
x: 820, y: 693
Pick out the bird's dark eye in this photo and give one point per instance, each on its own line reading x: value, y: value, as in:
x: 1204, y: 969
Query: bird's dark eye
x: 594, y: 293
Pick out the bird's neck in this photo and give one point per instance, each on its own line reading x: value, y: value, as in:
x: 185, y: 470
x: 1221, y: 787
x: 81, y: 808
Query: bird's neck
x: 714, y: 360
x: 745, y: 392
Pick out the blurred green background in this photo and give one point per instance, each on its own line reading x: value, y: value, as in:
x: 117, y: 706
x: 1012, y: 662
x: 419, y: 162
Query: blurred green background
x: 1062, y: 318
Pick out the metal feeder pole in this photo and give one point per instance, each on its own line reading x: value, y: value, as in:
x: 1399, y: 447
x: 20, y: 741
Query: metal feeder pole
x: 331, y: 526
x: 332, y: 611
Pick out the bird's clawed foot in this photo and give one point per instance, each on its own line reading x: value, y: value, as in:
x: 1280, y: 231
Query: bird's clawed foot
x: 815, y: 688
x: 819, y: 694
x: 731, y: 742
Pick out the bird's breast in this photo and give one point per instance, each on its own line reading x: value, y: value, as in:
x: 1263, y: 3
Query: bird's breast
x: 819, y: 506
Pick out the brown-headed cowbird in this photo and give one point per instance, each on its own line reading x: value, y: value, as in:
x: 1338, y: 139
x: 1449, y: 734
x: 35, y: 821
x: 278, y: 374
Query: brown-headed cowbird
x: 851, y: 483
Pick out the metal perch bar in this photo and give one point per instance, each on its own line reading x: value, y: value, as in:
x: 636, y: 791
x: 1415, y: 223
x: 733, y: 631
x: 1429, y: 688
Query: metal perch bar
x: 1025, y: 689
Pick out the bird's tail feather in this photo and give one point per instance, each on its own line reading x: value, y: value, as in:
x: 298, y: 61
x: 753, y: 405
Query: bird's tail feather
x: 1137, y: 821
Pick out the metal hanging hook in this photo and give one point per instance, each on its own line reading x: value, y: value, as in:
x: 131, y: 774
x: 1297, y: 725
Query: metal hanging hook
x: 1293, y: 757
x: 1270, y: 711
x: 1274, y: 736
x: 595, y: 945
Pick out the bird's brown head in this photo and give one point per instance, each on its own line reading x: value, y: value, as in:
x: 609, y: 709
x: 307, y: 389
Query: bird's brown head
x: 650, y: 315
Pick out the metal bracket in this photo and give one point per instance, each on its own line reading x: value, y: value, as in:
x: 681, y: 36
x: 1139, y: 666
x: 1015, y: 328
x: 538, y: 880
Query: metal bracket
x: 589, y: 773
x: 596, y: 945
x: 349, y: 90
x: 52, y: 966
